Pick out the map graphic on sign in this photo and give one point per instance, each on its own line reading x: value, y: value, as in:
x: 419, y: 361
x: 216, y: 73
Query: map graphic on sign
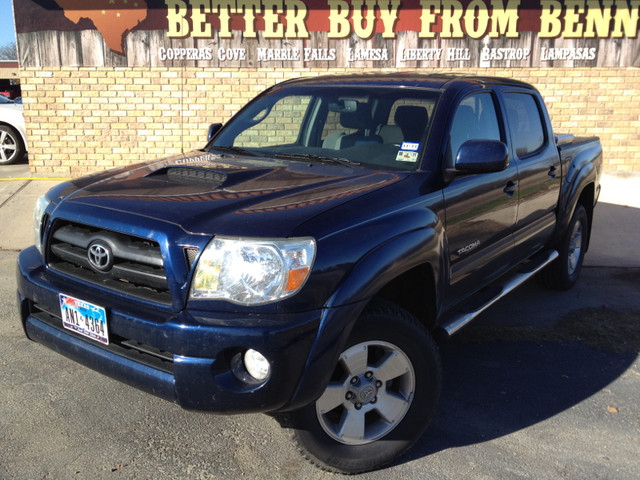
x: 112, y: 18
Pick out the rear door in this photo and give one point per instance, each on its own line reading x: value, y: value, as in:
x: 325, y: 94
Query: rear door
x: 534, y: 151
x: 481, y: 209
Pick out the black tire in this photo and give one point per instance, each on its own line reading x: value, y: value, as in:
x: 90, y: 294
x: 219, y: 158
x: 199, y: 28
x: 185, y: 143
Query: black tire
x: 394, y: 341
x: 11, y: 145
x: 563, y: 273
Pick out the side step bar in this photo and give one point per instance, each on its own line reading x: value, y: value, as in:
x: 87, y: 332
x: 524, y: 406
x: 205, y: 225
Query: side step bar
x: 524, y: 273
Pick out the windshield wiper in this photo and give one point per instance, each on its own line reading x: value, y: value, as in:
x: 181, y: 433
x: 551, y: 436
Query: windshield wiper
x: 238, y: 150
x: 320, y: 158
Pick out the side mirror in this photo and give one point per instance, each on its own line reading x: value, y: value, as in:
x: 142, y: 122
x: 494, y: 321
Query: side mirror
x: 213, y: 129
x: 482, y: 156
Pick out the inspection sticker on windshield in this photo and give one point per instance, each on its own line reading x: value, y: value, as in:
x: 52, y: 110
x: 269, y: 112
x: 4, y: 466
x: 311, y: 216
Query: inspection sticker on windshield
x: 408, y: 152
x: 410, y: 146
x: 84, y: 318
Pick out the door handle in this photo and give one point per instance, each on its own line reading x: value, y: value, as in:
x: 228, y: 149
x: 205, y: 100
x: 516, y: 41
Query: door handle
x: 553, y: 172
x: 510, y: 189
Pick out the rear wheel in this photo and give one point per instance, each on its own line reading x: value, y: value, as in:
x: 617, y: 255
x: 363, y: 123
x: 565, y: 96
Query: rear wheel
x: 11, y: 146
x: 381, y: 396
x: 563, y: 273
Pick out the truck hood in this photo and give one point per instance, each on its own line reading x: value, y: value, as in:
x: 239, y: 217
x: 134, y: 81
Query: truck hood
x: 223, y: 194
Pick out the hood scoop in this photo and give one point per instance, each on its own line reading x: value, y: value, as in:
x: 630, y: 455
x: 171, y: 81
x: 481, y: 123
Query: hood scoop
x: 207, y: 176
x: 192, y: 176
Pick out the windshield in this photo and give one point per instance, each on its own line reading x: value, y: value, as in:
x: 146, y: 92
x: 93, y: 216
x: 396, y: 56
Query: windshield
x: 378, y: 127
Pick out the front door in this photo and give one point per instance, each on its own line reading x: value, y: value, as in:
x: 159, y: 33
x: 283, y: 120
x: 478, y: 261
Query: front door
x: 481, y: 209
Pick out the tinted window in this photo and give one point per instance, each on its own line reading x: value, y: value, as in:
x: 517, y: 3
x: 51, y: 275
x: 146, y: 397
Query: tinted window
x: 525, y: 123
x: 475, y: 119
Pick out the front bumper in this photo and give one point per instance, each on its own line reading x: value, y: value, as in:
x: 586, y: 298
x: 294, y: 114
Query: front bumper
x: 191, y: 357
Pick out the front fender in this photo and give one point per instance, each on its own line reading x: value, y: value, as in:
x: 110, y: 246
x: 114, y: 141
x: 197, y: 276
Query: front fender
x: 368, y: 277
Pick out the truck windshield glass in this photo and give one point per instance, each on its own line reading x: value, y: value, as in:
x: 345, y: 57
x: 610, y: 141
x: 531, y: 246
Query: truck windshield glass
x: 377, y: 127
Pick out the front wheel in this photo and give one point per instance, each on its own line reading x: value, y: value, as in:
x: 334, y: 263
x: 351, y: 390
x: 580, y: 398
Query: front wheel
x: 381, y: 397
x: 11, y: 146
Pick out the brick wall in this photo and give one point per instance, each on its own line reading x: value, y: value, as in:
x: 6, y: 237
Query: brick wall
x: 82, y: 119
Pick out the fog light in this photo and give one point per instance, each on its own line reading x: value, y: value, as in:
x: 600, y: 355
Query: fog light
x: 257, y: 366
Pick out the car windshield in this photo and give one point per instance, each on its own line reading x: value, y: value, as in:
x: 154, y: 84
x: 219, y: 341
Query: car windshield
x: 4, y: 99
x: 379, y: 127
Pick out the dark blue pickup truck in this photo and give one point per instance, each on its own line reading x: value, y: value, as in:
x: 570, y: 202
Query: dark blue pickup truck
x: 302, y: 263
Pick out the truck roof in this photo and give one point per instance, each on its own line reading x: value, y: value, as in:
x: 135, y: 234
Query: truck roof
x: 438, y: 81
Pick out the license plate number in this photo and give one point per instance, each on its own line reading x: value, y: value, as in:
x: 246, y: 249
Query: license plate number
x: 84, y: 318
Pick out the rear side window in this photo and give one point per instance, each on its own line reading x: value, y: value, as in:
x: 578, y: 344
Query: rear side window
x: 526, y: 123
x: 475, y: 119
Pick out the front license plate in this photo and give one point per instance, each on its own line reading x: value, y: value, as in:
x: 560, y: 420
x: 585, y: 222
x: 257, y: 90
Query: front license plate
x: 84, y: 318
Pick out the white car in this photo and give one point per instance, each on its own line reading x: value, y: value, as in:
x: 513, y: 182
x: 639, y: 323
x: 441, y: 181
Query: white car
x: 13, y: 139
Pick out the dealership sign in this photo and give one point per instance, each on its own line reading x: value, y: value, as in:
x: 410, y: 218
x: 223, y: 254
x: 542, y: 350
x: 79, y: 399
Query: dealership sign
x: 328, y: 33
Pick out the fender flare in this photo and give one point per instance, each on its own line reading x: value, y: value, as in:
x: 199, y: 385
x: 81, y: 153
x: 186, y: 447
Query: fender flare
x: 369, y: 275
x: 389, y: 261
x: 583, y: 171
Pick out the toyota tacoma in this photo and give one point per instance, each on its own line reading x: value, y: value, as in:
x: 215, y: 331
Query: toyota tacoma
x: 304, y: 261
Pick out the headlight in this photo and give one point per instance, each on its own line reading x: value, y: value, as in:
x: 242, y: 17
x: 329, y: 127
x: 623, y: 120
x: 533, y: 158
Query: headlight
x: 253, y: 272
x: 38, y: 212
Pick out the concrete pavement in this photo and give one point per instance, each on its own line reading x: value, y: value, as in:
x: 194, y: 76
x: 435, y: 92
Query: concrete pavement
x: 613, y: 244
x: 616, y: 223
x: 19, y: 190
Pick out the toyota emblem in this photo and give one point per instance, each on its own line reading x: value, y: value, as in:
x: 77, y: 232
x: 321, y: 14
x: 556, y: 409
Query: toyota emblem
x: 100, y: 256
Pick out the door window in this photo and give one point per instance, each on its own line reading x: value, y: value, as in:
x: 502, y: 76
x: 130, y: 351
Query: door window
x: 525, y: 123
x: 475, y: 119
